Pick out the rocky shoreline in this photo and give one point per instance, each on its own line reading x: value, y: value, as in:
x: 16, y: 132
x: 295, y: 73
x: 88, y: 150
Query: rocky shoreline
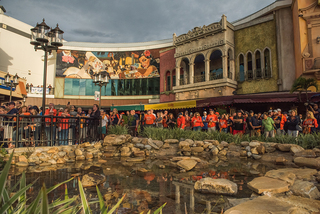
x: 293, y: 189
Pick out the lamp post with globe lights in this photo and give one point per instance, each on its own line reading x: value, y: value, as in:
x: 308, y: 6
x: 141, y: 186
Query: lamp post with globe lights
x: 101, y: 79
x: 11, y: 83
x: 47, y: 39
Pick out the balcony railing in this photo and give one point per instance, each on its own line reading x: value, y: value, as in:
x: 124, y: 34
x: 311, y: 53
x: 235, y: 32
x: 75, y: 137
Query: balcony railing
x: 199, y: 78
x: 258, y: 73
x: 267, y: 72
x: 249, y: 75
x: 216, y: 76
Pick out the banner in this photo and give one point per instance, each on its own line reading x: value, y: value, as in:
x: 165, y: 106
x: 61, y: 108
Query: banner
x: 38, y: 90
x: 97, y: 95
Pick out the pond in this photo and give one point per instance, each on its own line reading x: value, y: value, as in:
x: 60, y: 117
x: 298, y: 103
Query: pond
x: 146, y: 185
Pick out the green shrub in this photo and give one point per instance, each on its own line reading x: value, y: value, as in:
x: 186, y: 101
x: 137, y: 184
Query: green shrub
x: 308, y: 141
x: 118, y: 130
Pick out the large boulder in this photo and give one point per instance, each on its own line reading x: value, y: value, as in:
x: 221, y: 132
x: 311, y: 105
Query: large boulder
x: 197, y: 149
x: 265, y: 184
x: 53, y: 150
x: 171, y: 141
x: 22, y: 158
x: 214, y: 151
x: 254, y: 144
x: 136, y: 140
x: 78, y: 152
x: 296, y: 148
x: 115, y: 140
x: 183, y: 144
x: 308, y: 162
x: 125, y: 151
x: 282, y: 174
x: 305, y: 189
x: 305, y: 153
x: 158, y: 143
x: 285, y: 147
x: 187, y: 164
x: 152, y: 144
x: 92, y: 179
x: 270, y: 147
x: 216, y: 186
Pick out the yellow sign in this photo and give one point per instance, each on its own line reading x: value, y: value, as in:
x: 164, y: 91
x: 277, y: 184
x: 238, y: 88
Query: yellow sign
x: 172, y: 105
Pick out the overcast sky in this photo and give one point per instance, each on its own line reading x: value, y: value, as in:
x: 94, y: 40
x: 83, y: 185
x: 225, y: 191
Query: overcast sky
x: 128, y: 20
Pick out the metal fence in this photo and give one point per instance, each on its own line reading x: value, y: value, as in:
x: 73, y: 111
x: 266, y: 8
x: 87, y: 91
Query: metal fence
x: 27, y: 130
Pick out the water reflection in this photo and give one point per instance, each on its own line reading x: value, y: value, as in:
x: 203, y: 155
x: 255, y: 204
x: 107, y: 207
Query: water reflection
x: 146, y: 185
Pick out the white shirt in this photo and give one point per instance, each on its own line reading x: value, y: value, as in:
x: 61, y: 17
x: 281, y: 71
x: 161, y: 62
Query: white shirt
x: 104, y: 121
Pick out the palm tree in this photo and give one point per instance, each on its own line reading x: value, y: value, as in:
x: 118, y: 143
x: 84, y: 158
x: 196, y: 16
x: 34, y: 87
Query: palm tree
x: 302, y: 84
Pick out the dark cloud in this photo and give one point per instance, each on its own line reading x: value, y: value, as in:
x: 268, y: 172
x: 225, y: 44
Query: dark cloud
x: 128, y: 20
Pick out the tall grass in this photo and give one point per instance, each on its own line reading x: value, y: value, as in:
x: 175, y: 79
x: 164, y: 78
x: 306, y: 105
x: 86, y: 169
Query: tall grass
x: 308, y: 141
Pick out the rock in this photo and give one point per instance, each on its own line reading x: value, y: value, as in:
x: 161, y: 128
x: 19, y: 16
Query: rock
x: 139, y: 145
x: 62, y: 154
x: 148, y: 147
x: 22, y: 163
x: 191, y: 142
x: 183, y: 144
x: 85, y: 145
x: 256, y: 157
x: 261, y: 149
x: 89, y: 155
x: 53, y: 162
x: 33, y: 159
x: 254, y: 151
x: 270, y: 147
x: 216, y: 186
x: 296, y: 148
x: 284, y: 147
x: 213, y: 142
x: 223, y: 152
x: 187, y: 164
x: 53, y: 150
x: 137, y: 159
x: 61, y: 161
x: 80, y: 158
x: 97, y: 145
x: 125, y: 152
x: 139, y: 153
x: 171, y: 141
x: 282, y: 174
x: 249, y: 154
x: 308, y: 162
x: 248, y: 149
x: 199, y: 143
x: 150, y: 142
x: 78, y: 152
x: 197, y: 149
x: 243, y: 153
x: 136, y: 140
x: 306, y: 154
x: 214, y: 151
x: 244, y: 143
x: 92, y: 179
x: 232, y: 154
x: 22, y: 158
x: 102, y: 161
x: 254, y: 144
x: 265, y: 184
x: 224, y: 143
x: 44, y: 157
x: 158, y: 143
x: 305, y: 189
x: 317, y: 151
x: 298, y: 210
x: 166, y: 146
x: 179, y: 158
x: 114, y: 140
x: 281, y: 160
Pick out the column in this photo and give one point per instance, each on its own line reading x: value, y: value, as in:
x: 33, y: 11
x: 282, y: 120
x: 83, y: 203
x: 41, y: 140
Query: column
x: 207, y: 69
x: 225, y: 66
x: 191, y: 73
x: 192, y: 200
x: 232, y: 69
x: 177, y: 76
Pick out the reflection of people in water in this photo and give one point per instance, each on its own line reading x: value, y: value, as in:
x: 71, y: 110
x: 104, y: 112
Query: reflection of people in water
x: 146, y: 61
x: 65, y: 60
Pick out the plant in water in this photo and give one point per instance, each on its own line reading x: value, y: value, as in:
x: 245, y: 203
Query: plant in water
x: 17, y: 203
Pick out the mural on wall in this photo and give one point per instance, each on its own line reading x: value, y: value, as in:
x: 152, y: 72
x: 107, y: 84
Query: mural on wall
x: 119, y: 65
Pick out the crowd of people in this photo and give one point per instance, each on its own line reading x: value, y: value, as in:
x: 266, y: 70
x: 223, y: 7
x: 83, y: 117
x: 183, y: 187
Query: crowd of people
x: 72, y: 125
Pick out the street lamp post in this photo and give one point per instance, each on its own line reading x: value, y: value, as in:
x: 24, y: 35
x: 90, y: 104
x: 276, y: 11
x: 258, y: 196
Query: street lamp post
x: 101, y: 79
x: 11, y: 83
x: 47, y: 39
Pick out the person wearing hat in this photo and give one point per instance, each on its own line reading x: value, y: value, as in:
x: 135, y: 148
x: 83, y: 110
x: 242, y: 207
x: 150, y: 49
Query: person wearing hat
x: 181, y: 121
x: 205, y: 123
x: 212, y: 119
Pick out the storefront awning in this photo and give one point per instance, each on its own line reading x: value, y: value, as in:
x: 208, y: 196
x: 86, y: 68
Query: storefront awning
x: 215, y: 101
x: 266, y: 100
x: 172, y: 105
x: 128, y: 108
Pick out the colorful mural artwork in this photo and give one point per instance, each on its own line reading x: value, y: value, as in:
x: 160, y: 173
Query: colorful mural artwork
x: 119, y: 65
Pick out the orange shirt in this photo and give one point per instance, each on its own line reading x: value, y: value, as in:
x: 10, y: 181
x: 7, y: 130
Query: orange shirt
x: 223, y: 123
x: 213, y: 118
x: 283, y: 121
x: 181, y: 121
x: 47, y: 112
x: 64, y: 121
x: 310, y: 122
x: 149, y: 118
x: 196, y: 121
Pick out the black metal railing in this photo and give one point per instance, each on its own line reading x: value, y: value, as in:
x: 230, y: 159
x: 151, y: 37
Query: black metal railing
x: 249, y: 75
x: 267, y: 72
x: 199, y: 78
x: 258, y: 73
x: 28, y: 130
x: 215, y: 76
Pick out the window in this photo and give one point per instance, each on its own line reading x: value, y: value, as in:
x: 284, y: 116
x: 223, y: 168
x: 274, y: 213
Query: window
x: 241, y: 68
x: 249, y: 71
x: 258, y: 71
x: 168, y: 83
x: 267, y: 66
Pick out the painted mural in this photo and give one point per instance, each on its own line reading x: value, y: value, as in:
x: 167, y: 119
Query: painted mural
x: 119, y: 65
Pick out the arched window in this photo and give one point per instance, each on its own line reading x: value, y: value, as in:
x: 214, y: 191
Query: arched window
x: 216, y: 71
x: 241, y: 68
x: 184, y: 69
x: 173, y: 78
x: 199, y: 69
x: 267, y: 63
x: 249, y: 64
x: 258, y: 65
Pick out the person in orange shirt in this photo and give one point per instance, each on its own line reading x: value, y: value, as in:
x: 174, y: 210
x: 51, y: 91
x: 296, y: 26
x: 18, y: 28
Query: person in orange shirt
x: 310, y: 124
x: 223, y: 123
x: 149, y: 119
x: 212, y: 119
x: 64, y: 127
x: 197, y: 122
x: 282, y: 122
x: 181, y: 121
